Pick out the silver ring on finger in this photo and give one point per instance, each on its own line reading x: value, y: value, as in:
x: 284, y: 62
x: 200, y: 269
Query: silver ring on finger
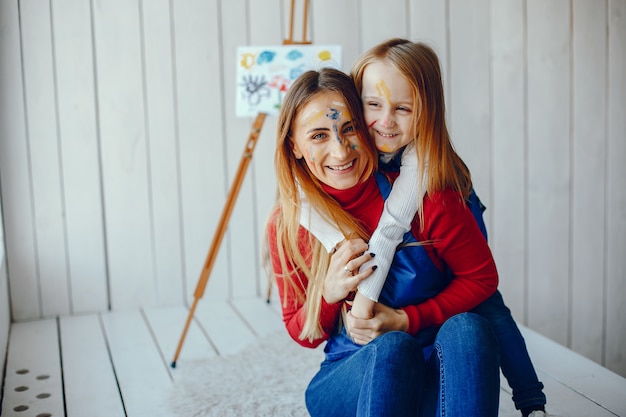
x: 348, y: 270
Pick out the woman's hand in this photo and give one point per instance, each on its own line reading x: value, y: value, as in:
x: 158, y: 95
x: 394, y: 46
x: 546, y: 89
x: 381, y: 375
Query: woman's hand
x: 343, y: 272
x: 386, y: 319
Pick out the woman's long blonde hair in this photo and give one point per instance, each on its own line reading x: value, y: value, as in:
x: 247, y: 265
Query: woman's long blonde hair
x: 294, y: 177
x: 418, y: 63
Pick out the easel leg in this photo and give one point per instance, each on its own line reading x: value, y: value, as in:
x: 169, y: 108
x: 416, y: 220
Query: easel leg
x: 222, y: 225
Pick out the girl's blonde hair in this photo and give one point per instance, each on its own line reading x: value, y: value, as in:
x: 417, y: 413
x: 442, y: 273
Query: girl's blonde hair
x: 418, y: 63
x: 294, y: 179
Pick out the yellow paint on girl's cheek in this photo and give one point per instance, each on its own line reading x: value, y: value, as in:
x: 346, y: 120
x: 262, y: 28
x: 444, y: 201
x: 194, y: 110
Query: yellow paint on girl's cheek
x: 383, y: 90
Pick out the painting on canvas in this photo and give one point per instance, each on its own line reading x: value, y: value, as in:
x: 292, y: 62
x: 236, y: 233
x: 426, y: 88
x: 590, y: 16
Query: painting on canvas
x: 264, y: 73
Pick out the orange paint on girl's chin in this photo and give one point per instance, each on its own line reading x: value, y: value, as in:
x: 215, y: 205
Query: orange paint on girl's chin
x: 384, y: 148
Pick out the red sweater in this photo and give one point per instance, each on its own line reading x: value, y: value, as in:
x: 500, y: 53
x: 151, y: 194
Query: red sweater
x: 457, y: 244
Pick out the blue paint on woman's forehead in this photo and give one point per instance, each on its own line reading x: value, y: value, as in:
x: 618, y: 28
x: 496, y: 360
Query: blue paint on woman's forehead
x: 333, y: 114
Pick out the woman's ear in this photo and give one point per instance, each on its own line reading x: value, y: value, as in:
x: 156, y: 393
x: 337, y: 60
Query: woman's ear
x: 296, y: 152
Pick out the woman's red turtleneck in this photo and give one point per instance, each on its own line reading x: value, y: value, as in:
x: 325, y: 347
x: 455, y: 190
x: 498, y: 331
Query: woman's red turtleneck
x: 458, y: 244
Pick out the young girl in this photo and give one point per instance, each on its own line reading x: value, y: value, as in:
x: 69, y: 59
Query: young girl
x: 402, y: 93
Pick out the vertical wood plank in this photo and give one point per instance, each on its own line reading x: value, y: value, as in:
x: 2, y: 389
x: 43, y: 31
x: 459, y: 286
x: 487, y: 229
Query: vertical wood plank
x: 381, y: 23
x: 267, y: 31
x: 507, y: 236
x: 241, y: 241
x: 549, y: 155
x: 88, y: 374
x: 589, y: 55
x: 124, y: 153
x: 428, y: 23
x: 615, y: 346
x: 201, y: 141
x: 470, y: 105
x: 14, y: 172
x: 82, y: 191
x: 265, y: 194
x: 45, y: 162
x: 161, y: 118
x: 329, y: 27
x: 5, y: 301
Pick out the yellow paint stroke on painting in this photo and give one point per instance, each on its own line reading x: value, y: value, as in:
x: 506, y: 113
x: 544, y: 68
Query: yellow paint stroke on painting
x: 324, y: 55
x: 383, y: 90
x: 248, y: 60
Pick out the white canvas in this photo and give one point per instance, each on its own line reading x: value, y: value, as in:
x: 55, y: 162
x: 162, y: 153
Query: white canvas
x: 265, y: 73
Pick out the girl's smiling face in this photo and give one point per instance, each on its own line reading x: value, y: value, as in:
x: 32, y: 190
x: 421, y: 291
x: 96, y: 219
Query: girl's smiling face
x: 387, y: 106
x: 324, y: 135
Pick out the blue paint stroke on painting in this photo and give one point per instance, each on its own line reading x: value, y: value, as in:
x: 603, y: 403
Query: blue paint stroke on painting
x: 294, y: 55
x: 296, y: 72
x: 265, y: 57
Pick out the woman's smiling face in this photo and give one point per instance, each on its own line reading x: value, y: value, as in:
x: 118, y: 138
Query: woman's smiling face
x: 324, y: 135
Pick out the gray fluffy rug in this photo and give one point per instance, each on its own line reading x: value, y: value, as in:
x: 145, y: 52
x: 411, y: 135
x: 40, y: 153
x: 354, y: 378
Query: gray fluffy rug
x: 266, y: 379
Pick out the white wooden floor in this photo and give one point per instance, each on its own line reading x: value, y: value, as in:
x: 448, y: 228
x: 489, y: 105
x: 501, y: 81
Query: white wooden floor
x: 117, y: 364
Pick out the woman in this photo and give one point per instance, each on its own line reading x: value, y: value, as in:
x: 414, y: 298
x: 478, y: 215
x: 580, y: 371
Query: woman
x: 419, y: 346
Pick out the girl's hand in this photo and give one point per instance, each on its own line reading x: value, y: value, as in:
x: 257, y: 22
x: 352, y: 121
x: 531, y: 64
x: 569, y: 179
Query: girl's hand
x: 348, y: 257
x: 386, y: 319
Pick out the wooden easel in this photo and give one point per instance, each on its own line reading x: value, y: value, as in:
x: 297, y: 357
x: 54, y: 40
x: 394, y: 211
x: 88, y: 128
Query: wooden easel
x: 233, y: 193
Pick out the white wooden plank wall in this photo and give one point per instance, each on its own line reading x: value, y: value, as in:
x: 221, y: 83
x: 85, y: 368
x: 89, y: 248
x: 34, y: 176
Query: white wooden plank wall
x: 5, y: 314
x: 119, y: 142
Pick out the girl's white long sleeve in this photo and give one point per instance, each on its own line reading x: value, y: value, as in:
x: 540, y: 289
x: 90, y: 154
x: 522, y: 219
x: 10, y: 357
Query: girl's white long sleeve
x: 398, y: 213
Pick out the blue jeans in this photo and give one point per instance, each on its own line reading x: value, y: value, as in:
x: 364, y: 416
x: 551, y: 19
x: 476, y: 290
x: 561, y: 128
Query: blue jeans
x: 390, y: 376
x: 514, y: 359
